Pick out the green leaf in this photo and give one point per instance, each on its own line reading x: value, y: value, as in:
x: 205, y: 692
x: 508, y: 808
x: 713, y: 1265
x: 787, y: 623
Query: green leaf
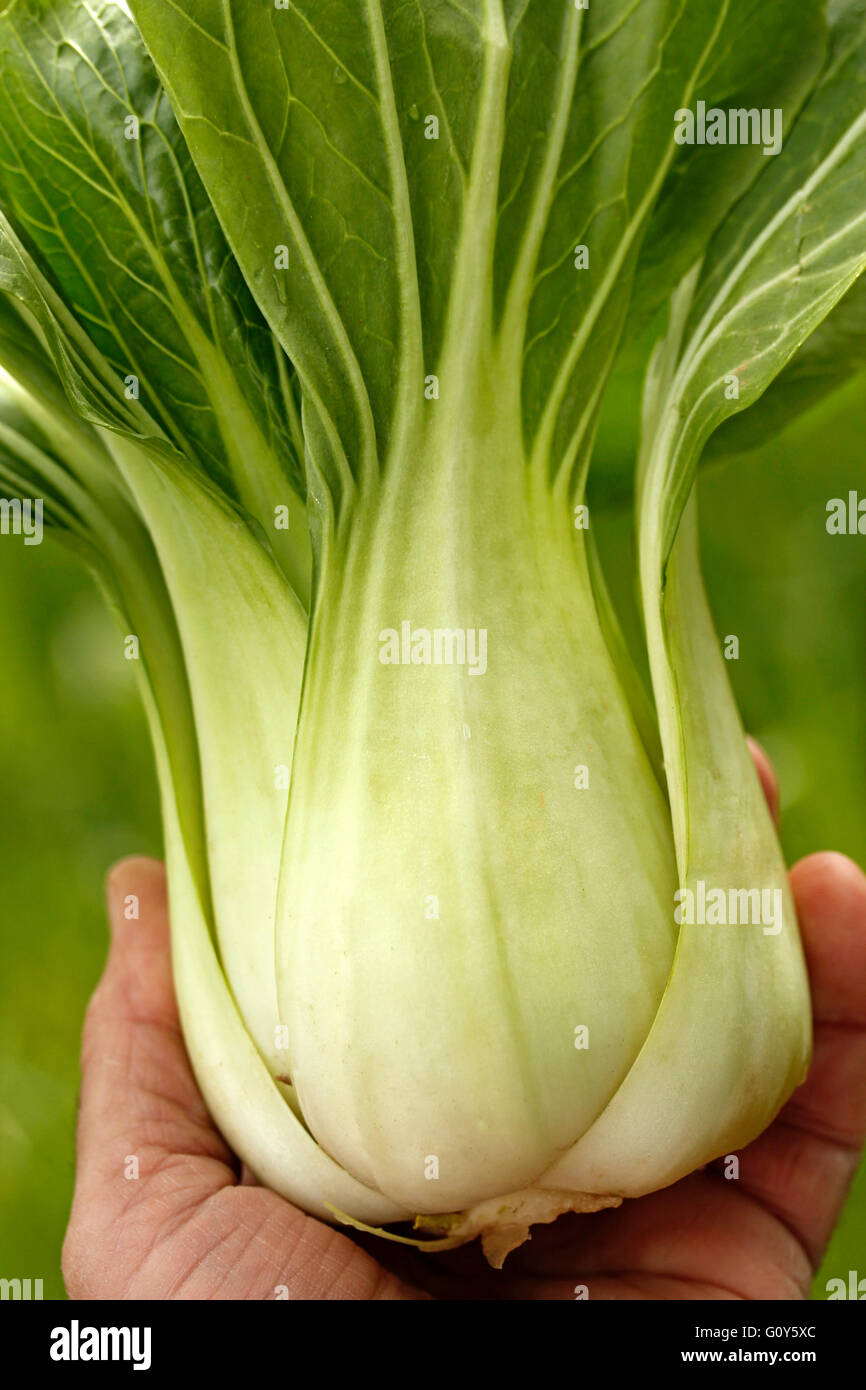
x: 97, y: 179
x: 55, y: 446
x: 835, y: 352
x: 242, y: 630
x: 767, y: 59
x: 29, y: 470
x: 208, y: 604
x: 197, y: 572
x: 90, y: 384
x: 47, y: 453
x: 635, y: 67
x: 23, y: 355
x: 253, y: 1113
x: 730, y: 1039
x: 787, y: 254
x: 452, y: 256
x: 293, y: 110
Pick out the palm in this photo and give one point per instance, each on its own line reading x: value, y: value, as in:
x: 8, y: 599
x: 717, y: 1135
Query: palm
x: 208, y: 1237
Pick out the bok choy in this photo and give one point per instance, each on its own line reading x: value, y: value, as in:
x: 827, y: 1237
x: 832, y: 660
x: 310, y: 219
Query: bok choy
x: 308, y: 316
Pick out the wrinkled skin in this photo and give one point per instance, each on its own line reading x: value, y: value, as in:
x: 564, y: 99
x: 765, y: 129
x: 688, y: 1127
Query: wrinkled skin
x: 195, y: 1226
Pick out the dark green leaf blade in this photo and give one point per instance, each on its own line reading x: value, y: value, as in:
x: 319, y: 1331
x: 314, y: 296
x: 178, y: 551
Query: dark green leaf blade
x: 787, y: 254
x: 834, y: 354
x: 768, y: 59
x: 96, y: 176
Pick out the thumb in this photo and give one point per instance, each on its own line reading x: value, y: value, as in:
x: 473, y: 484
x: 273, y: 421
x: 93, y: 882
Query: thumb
x: 140, y: 1107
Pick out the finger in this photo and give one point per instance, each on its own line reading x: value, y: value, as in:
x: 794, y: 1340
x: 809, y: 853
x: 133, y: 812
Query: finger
x: 831, y: 902
x: 802, y: 1167
x: 140, y: 1106
x: 769, y: 781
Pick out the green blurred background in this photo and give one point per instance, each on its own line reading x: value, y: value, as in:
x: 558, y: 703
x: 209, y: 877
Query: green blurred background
x: 79, y: 790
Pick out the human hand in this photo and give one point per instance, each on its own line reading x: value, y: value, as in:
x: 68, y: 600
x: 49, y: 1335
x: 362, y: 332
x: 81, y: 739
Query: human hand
x: 194, y: 1225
